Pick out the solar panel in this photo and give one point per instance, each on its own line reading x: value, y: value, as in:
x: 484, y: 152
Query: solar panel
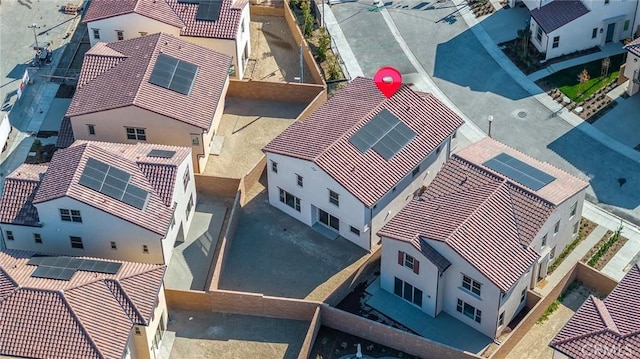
x: 63, y: 267
x: 161, y: 153
x: 209, y: 10
x: 384, y: 133
x: 519, y: 171
x: 173, y: 74
x: 112, y: 268
x: 48, y: 272
x: 113, y: 182
x: 36, y: 260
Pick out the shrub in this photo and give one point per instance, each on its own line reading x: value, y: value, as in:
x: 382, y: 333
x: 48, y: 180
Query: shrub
x: 307, y: 18
x: 604, y: 248
x: 334, y: 71
x: 324, y: 42
x: 584, y: 76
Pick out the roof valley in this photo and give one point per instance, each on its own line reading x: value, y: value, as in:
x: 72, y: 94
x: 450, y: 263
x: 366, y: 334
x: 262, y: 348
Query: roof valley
x: 92, y: 342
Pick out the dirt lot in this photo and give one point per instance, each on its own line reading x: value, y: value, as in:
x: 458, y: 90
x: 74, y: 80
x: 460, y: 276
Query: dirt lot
x: 535, y: 345
x: 232, y: 336
x: 275, y: 56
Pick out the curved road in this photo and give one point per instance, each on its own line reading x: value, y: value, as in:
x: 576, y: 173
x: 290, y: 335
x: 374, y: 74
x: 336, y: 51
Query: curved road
x: 434, y: 47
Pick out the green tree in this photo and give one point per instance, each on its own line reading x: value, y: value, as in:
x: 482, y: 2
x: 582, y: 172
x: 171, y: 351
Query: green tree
x: 324, y: 42
x: 524, y: 35
x: 307, y: 18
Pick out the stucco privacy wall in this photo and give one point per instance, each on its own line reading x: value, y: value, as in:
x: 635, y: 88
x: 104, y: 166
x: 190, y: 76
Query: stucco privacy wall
x: 290, y: 18
x: 225, y: 242
x: 370, y: 264
x: 275, y: 91
x: 580, y: 272
x: 310, y: 338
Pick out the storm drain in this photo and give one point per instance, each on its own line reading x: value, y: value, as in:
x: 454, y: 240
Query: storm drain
x: 522, y: 114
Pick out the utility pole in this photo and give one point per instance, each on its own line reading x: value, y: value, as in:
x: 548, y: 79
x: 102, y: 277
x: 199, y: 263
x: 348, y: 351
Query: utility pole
x: 301, y: 66
x: 35, y: 26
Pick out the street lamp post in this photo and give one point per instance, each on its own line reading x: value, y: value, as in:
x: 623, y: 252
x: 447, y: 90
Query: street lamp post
x: 35, y: 26
x: 490, y: 118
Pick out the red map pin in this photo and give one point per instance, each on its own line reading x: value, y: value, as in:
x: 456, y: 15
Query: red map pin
x: 388, y: 80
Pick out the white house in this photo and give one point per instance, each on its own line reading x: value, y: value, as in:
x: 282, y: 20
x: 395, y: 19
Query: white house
x: 632, y: 66
x: 80, y: 307
x: 482, y: 233
x: 560, y: 27
x: 5, y: 130
x: 157, y: 89
x: 608, y: 328
x: 220, y: 25
x: 107, y: 200
x: 357, y: 160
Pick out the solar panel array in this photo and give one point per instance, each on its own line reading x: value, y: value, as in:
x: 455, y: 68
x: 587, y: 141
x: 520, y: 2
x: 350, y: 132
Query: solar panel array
x: 173, y: 74
x: 113, y: 182
x: 519, y: 171
x: 209, y: 10
x: 385, y: 133
x: 161, y: 153
x: 63, y: 267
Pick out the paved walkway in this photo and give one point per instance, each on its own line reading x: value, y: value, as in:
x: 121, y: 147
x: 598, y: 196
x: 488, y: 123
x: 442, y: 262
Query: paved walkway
x: 443, y: 329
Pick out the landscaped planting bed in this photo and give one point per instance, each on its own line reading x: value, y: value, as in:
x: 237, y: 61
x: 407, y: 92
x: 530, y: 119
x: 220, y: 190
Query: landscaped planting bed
x: 586, y: 227
x: 605, y: 249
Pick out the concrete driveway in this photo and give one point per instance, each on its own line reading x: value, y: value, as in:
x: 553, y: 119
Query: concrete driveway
x: 435, y: 41
x: 276, y: 255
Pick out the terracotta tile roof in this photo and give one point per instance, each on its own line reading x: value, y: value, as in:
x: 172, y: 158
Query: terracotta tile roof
x: 483, y: 217
x: 558, y: 13
x: 16, y: 203
x: 154, y: 9
x: 431, y: 254
x: 79, y: 318
x: 559, y: 190
x: 613, y: 323
x: 100, y: 86
x: 153, y: 174
x: 65, y: 134
x: 633, y: 47
x: 174, y: 13
x: 367, y: 176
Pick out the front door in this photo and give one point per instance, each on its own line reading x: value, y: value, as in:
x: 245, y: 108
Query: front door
x: 610, y: 29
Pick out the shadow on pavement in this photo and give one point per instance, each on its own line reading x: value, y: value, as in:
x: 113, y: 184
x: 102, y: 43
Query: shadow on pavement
x: 614, y: 178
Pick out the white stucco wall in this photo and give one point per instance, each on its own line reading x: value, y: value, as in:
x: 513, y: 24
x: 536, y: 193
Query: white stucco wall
x: 131, y: 24
x: 632, y: 71
x: 110, y: 127
x: 97, y: 230
x: 141, y: 345
x: 427, y: 280
x: 5, y: 129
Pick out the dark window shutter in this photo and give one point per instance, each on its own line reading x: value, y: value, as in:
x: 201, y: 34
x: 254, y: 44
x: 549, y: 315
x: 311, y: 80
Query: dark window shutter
x: 400, y: 258
x: 416, y: 266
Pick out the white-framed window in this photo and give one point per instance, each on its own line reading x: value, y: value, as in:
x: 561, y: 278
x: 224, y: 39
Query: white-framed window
x: 575, y: 227
x: 120, y: 34
x: 37, y: 238
x: 354, y: 230
x: 300, y: 180
x: 408, y: 292
x: 76, y: 242
x: 137, y: 330
x: 134, y: 133
x: 552, y: 254
x: 334, y: 198
x: 328, y: 220
x: 539, y: 34
x: 523, y: 294
x: 189, y: 205
x: 274, y: 166
x: 544, y: 240
x: 10, y: 236
x: 471, y: 285
x: 145, y: 248
x: 556, y: 228
x: 96, y: 34
x: 114, y: 246
x: 186, y: 178
x: 70, y: 215
x: 242, y: 26
x: 594, y: 33
x: 556, y: 42
x: 195, y: 140
x: 409, y: 261
x: 91, y: 129
x: 469, y: 310
x: 574, y: 208
x: 501, y: 319
x: 289, y: 199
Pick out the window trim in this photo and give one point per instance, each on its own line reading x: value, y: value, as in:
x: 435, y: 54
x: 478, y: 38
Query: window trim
x: 189, y: 206
x: 120, y: 35
x: 334, y: 198
x: 462, y: 307
x: 91, y: 129
x: 594, y: 33
x: 274, y: 166
x: 70, y: 215
x: 10, y: 236
x: 539, y: 34
x: 523, y: 295
x: 573, y: 210
x: 300, y: 180
x: 556, y: 42
x: 96, y: 33
x: 114, y: 245
x: 501, y: 319
x: 354, y: 230
x: 544, y: 240
x: 136, y: 133
x: 145, y: 249
x: 471, y: 285
x: 285, y: 196
x: 402, y: 291
x: 556, y: 228
x: 76, y: 242
x: 330, y: 222
x: 186, y: 178
x: 37, y: 237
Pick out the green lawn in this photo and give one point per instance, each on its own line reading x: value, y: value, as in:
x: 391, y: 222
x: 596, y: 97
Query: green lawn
x: 567, y: 79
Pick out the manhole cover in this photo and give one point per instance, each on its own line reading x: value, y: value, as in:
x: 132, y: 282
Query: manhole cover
x: 522, y: 114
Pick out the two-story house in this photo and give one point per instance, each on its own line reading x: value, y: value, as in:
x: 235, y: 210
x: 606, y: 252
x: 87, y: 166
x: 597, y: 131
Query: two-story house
x: 482, y: 233
x: 106, y: 200
x: 220, y: 25
x: 560, y: 27
x: 157, y: 89
x: 608, y: 328
x: 79, y: 307
x: 358, y: 159
x: 632, y: 66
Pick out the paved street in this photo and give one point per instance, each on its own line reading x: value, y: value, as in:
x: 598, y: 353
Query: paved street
x: 443, y: 47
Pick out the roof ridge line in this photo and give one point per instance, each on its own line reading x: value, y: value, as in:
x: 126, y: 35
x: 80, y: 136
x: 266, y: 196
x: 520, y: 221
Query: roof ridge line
x: 116, y: 281
x: 146, y: 68
x: 605, y: 315
x: 515, y: 216
x: 79, y: 322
